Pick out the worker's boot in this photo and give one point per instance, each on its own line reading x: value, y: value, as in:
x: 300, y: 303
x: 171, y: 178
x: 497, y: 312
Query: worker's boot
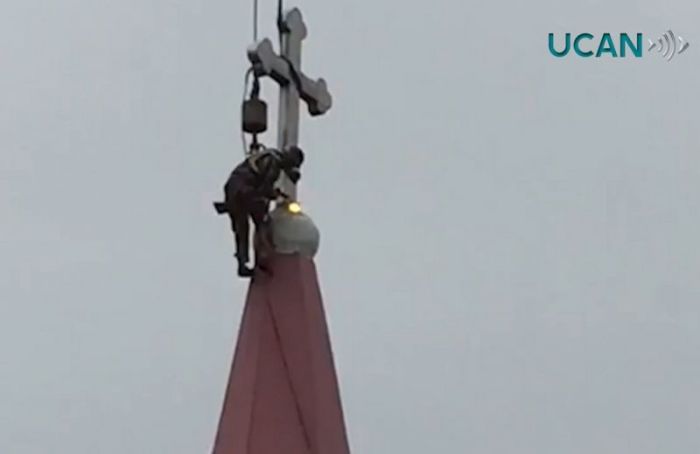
x: 243, y: 269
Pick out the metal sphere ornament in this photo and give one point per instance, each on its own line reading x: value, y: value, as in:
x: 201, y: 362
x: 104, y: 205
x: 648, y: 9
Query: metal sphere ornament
x: 293, y: 231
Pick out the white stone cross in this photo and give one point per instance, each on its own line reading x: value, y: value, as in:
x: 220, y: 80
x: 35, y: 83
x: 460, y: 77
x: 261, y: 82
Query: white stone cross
x: 294, y: 84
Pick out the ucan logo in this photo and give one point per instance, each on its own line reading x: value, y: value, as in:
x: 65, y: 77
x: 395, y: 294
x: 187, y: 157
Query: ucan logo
x: 624, y: 45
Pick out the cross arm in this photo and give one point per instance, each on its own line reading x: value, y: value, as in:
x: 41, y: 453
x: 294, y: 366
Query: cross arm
x: 266, y: 63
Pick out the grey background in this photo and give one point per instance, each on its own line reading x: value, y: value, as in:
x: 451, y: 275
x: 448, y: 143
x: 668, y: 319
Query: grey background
x: 510, y: 252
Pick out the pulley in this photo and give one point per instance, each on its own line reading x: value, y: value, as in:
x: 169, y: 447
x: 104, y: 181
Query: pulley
x: 254, y: 115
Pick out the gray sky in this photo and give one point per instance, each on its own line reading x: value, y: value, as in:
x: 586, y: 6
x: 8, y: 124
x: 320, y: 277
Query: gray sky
x: 510, y: 251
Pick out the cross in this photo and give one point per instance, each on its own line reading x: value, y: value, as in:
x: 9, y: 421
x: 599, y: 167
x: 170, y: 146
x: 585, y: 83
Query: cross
x: 294, y: 84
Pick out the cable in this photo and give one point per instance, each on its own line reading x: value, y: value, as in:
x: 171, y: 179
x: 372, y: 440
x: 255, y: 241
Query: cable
x: 246, y: 81
x: 280, y: 24
x: 296, y: 78
x: 255, y: 20
x: 245, y: 91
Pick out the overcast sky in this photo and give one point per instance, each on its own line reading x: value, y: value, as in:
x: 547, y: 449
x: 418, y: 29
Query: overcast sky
x: 510, y: 252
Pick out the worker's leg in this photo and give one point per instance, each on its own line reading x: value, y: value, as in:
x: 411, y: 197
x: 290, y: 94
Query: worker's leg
x: 241, y: 228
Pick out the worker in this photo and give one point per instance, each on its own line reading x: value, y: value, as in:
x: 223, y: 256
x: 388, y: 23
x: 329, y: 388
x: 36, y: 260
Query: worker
x: 247, y: 195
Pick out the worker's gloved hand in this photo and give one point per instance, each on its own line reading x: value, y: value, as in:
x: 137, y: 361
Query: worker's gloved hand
x: 294, y: 175
x: 280, y: 194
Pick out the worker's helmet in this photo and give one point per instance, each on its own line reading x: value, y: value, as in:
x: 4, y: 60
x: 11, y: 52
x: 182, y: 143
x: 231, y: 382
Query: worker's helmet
x: 293, y: 157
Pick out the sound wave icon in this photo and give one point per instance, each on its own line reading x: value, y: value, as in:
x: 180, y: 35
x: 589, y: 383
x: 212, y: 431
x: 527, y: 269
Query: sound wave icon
x: 667, y: 45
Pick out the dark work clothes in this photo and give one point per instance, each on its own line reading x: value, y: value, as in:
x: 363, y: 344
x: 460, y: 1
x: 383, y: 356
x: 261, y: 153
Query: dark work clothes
x: 249, y: 190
